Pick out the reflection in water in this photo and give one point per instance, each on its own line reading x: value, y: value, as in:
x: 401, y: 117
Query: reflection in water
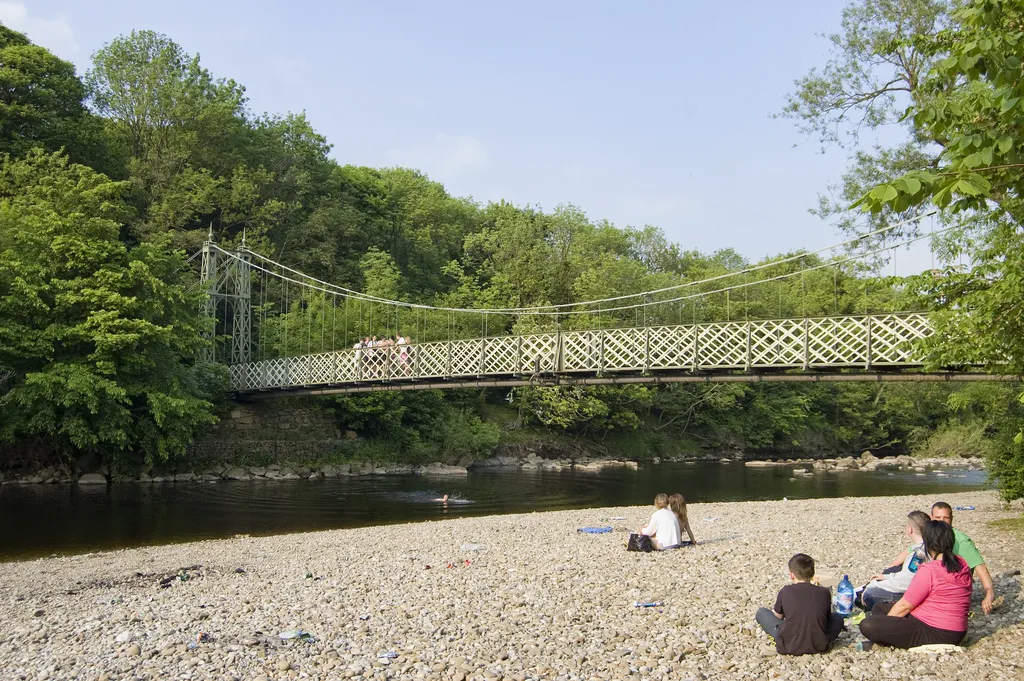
x: 43, y: 519
x: 428, y: 497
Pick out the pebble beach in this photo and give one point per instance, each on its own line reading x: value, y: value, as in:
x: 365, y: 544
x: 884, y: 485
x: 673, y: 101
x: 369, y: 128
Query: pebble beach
x: 499, y: 597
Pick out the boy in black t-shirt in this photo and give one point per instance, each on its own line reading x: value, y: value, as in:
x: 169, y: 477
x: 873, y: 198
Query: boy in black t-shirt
x: 801, y: 622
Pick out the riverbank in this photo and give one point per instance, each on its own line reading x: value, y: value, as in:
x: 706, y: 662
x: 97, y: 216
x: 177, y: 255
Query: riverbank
x: 526, y: 597
x: 526, y: 458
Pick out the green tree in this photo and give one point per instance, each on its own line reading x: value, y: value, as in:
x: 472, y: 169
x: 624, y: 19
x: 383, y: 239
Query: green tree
x: 975, y: 107
x: 874, y: 71
x: 175, y: 126
x: 595, y: 409
x: 101, y: 338
x: 41, y: 102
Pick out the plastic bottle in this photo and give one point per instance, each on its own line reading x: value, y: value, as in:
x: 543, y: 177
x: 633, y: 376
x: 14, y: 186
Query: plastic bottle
x: 652, y: 604
x: 844, y: 597
x: 915, y: 560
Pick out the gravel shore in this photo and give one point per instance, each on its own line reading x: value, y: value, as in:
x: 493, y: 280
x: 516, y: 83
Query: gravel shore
x: 525, y: 597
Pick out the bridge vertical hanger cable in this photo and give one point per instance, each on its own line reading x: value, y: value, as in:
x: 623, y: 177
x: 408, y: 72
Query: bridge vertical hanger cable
x: 780, y: 300
x: 746, y: 299
x: 287, y: 302
x: 262, y: 347
x: 803, y: 291
x: 835, y: 290
x: 931, y: 242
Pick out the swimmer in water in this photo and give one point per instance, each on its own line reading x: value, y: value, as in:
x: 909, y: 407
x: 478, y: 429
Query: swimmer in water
x: 443, y: 500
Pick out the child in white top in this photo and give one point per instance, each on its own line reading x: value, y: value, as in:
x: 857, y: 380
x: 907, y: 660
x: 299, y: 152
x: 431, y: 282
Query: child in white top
x: 663, y: 529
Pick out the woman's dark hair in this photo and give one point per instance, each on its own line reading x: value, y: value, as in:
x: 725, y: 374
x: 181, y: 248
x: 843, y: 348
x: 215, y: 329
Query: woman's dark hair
x: 939, y: 538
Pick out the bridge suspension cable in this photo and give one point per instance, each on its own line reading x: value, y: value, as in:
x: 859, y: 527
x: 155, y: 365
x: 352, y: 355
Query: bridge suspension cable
x: 560, y: 310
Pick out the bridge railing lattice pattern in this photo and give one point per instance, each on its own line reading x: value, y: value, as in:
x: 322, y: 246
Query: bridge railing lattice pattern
x: 815, y: 343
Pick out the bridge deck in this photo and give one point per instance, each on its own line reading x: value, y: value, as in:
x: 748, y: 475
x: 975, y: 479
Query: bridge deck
x: 764, y: 350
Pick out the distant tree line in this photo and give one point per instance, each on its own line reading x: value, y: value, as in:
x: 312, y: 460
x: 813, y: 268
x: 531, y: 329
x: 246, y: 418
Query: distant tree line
x: 110, y: 181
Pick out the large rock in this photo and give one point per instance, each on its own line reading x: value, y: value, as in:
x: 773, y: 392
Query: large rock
x: 236, y: 474
x: 601, y: 464
x: 438, y: 468
x: 92, y: 479
x: 184, y: 477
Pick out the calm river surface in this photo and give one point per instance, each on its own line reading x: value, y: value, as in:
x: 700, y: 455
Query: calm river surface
x: 44, y: 519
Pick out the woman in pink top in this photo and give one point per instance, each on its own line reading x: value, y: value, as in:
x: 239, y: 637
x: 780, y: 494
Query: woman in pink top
x: 934, y: 607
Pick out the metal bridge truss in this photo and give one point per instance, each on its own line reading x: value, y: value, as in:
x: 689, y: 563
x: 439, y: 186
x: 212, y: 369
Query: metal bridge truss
x: 229, y: 287
x: 650, y: 354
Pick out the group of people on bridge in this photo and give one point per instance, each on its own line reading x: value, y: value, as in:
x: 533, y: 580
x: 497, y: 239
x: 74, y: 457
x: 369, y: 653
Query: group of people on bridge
x: 922, y: 598
x: 383, y: 357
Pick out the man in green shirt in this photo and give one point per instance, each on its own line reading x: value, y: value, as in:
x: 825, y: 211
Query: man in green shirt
x: 966, y: 549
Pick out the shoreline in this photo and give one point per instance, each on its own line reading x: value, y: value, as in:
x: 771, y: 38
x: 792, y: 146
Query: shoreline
x: 531, y: 461
x: 536, y: 600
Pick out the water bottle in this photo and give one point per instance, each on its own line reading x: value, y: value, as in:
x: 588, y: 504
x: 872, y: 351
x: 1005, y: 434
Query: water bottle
x: 915, y: 560
x: 651, y: 604
x: 844, y: 597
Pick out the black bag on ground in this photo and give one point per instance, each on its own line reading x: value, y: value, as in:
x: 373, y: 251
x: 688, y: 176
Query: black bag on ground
x: 639, y: 542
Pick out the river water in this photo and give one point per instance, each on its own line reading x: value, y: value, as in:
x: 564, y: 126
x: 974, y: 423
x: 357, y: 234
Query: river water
x: 46, y: 519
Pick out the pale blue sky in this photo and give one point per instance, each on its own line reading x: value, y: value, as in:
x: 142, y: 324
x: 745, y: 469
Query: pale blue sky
x: 641, y: 113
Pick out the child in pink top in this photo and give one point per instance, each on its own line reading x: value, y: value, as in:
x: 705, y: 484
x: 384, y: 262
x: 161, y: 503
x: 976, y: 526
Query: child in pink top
x: 934, y: 608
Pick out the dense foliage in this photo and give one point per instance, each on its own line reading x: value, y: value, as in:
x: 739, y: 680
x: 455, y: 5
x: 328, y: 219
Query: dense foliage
x: 109, y: 180
x: 951, y: 73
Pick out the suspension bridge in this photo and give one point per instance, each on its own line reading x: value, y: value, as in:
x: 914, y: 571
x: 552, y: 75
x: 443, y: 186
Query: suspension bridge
x: 282, y: 332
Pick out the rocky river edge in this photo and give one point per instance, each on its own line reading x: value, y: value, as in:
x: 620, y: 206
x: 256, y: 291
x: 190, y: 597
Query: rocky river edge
x: 528, y: 460
x: 513, y: 597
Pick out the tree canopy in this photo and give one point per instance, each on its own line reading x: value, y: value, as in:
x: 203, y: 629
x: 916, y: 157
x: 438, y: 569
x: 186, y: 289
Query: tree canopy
x: 107, y: 183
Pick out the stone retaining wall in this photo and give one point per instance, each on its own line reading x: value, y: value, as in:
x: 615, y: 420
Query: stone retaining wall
x: 277, y: 420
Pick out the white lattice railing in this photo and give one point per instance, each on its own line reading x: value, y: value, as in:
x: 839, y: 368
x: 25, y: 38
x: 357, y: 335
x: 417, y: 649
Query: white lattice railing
x: 827, y: 342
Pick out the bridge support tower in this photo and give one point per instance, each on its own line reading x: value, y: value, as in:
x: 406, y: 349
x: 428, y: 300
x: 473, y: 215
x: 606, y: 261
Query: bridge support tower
x: 228, y: 283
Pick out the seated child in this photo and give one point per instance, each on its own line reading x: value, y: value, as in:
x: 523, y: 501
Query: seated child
x: 889, y: 587
x: 664, y: 526
x: 801, y: 622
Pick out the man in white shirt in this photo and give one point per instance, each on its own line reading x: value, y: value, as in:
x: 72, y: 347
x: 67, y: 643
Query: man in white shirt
x: 889, y: 588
